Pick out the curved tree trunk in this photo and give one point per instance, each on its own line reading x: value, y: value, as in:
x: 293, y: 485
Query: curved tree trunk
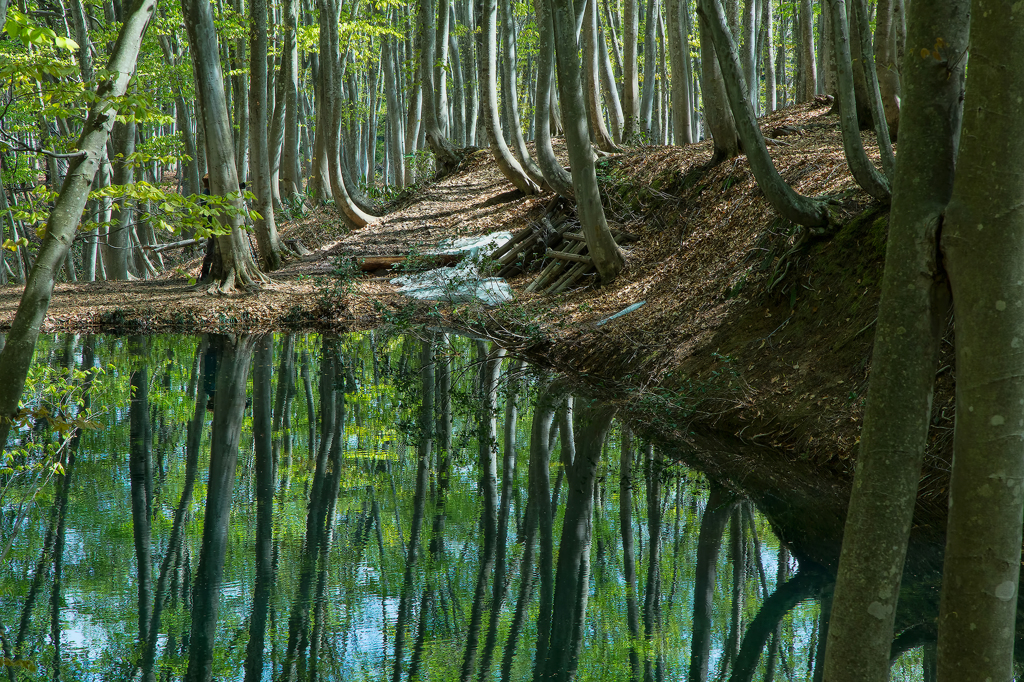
x: 599, y: 132
x: 608, y: 85
x: 911, y: 317
x: 874, y: 95
x: 792, y: 206
x: 233, y: 267
x: 330, y: 83
x: 607, y: 257
x: 444, y: 151
x: 887, y: 71
x: 66, y: 214
x: 556, y: 176
x: 510, y: 97
x: 487, y: 37
x: 867, y: 176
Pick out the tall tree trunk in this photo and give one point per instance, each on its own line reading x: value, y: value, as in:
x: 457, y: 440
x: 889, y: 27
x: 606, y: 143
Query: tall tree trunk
x: 770, y: 96
x: 911, y: 317
x: 591, y: 71
x: 718, y: 118
x: 806, y: 74
x: 607, y: 257
x: 291, y: 157
x: 652, y: 591
x: 678, y: 30
x: 118, y: 244
x: 608, y: 85
x: 867, y: 176
x: 650, y: 65
x: 792, y: 206
x: 510, y: 96
x: 885, y: 62
x: 394, y: 111
x: 140, y: 464
x: 233, y: 267
x: 264, y: 226
x: 630, y: 77
x: 983, y: 256
x: 444, y: 152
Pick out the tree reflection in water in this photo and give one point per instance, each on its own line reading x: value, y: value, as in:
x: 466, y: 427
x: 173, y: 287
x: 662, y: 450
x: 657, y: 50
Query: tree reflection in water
x: 270, y: 525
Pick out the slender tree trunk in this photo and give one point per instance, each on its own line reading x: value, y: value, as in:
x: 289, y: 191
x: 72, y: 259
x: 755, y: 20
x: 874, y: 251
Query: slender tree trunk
x: 233, y: 268
x: 718, y: 118
x: 291, y: 168
x: 598, y: 131
x: 806, y: 74
x: 631, y: 77
x: 911, y: 317
x: 394, y: 111
x: 770, y: 96
x: 265, y: 226
x: 444, y: 152
x: 650, y: 66
x: 983, y: 256
x: 792, y: 206
x: 678, y: 30
x: 608, y: 85
x: 888, y: 71
x: 140, y: 464
x: 510, y: 96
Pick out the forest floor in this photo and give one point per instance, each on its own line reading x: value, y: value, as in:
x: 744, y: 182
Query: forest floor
x: 749, y: 358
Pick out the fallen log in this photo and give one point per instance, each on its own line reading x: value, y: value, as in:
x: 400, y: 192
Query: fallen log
x: 157, y: 248
x: 421, y: 261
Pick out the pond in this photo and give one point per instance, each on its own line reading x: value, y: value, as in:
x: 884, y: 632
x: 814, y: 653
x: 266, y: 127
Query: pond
x: 373, y: 506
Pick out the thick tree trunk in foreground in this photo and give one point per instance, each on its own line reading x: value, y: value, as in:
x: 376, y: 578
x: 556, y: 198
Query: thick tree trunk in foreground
x: 911, y: 316
x: 984, y: 256
x: 608, y: 259
x: 233, y: 267
x: 792, y: 206
x: 67, y: 213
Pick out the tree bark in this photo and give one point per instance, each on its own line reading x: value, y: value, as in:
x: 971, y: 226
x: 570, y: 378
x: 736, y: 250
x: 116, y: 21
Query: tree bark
x: 678, y: 34
x: 984, y: 256
x: 291, y: 157
x: 911, y: 317
x: 631, y: 77
x: 510, y: 96
x: 886, y: 68
x: 599, y: 132
x: 554, y: 174
x: 806, y: 74
x: 864, y: 172
x: 444, y: 152
x: 650, y: 66
x: 718, y: 118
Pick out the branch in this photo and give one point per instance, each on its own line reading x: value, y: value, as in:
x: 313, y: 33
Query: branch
x: 16, y: 145
x: 172, y: 245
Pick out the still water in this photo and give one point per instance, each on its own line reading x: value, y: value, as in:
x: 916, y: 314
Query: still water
x: 375, y: 506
